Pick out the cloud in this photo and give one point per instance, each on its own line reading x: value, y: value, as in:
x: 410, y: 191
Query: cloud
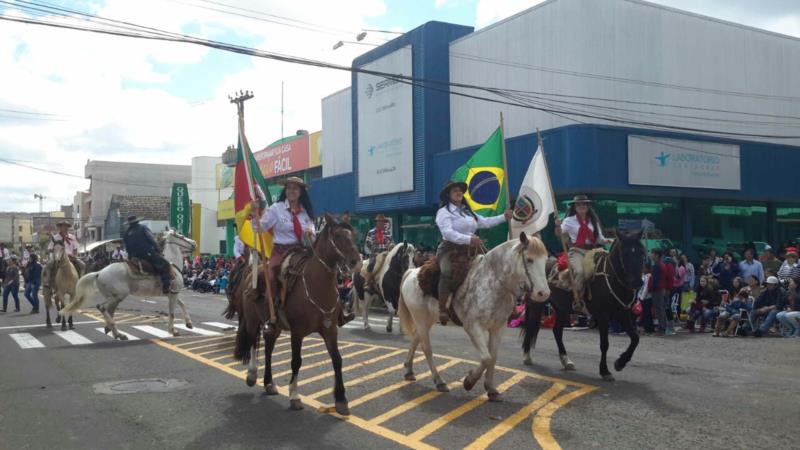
x: 439, y: 3
x: 118, y: 100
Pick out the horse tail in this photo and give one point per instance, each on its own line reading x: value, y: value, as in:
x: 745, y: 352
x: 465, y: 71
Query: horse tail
x: 86, y: 288
x: 406, y: 321
x: 233, y: 304
x: 245, y: 340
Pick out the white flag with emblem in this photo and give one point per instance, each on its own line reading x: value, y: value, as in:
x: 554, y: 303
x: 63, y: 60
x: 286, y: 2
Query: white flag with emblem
x: 535, y: 200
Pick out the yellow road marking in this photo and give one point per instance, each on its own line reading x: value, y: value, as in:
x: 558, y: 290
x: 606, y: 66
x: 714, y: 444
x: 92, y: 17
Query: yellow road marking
x: 322, y: 363
x: 432, y: 427
x: 383, y: 391
x: 355, y: 366
x: 515, y: 419
x: 413, y: 403
x: 191, y: 345
x: 365, y: 378
x: 540, y: 427
x: 286, y: 360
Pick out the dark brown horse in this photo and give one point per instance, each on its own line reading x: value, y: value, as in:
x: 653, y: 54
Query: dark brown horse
x: 312, y: 305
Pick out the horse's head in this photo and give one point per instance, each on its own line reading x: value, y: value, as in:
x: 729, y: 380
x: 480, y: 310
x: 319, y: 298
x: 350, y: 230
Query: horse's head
x: 403, y: 258
x: 59, y: 252
x: 173, y: 238
x: 337, y: 241
x: 530, y: 257
x: 629, y: 255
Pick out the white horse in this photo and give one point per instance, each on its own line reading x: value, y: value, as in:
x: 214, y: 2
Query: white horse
x: 117, y: 281
x: 399, y: 259
x: 483, y: 303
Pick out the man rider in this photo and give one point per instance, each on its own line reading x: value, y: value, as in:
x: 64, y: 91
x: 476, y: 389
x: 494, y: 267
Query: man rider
x: 379, y: 239
x: 70, y: 243
x: 140, y: 243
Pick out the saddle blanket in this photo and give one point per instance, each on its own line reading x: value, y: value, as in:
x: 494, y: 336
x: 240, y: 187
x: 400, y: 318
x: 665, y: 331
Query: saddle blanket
x: 142, y: 268
x: 429, y: 273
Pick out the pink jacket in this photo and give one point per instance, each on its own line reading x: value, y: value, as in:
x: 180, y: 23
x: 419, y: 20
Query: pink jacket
x: 680, y: 277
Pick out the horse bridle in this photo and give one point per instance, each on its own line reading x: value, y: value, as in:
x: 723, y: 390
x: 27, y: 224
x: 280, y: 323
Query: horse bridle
x: 339, y: 253
x: 605, y: 275
x: 528, y: 289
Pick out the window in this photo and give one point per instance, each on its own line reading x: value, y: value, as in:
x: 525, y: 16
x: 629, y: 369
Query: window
x: 223, y: 247
x: 727, y: 225
x: 787, y: 217
x: 421, y: 231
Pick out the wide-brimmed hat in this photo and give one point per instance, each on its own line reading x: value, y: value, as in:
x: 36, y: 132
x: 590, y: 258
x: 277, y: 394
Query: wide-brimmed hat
x: 445, y: 194
x: 296, y: 180
x: 132, y: 220
x: 791, y: 251
x: 580, y: 198
x: 63, y: 222
x: 381, y: 218
x: 772, y: 280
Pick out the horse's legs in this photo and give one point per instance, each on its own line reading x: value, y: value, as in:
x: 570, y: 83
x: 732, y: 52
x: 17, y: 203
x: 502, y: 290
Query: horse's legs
x: 390, y: 319
x: 630, y: 329
x: 171, y: 314
x: 562, y: 320
x: 297, y: 361
x: 480, y: 339
x: 186, y: 318
x: 62, y: 301
x: 365, y: 305
x: 533, y: 318
x: 602, y: 328
x: 108, y: 308
x: 424, y: 336
x: 331, y: 343
x: 269, y: 346
x: 488, y: 382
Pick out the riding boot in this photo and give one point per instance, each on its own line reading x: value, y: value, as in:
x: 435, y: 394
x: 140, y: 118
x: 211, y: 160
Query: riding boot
x: 444, y: 316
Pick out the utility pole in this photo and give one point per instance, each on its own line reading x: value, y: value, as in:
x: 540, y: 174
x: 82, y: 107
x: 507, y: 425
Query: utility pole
x: 40, y: 197
x: 239, y: 100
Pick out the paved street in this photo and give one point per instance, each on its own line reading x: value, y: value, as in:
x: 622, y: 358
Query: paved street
x: 64, y: 390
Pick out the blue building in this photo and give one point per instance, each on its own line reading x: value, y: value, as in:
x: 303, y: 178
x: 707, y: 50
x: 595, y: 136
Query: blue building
x: 684, y: 124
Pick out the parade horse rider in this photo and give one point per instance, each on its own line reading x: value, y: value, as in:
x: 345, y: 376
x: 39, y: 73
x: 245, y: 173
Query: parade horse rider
x: 457, y: 223
x: 140, y: 243
x: 70, y: 243
x: 378, y: 240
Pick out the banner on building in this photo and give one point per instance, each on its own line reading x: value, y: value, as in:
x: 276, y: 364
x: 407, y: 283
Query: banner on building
x: 656, y: 161
x: 285, y: 156
x: 224, y: 176
x: 179, y: 208
x: 315, y: 149
x: 226, y: 210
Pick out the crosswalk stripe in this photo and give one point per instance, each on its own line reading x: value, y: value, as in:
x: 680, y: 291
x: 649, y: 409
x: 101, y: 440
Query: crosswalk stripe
x: 224, y: 326
x: 157, y: 332
x: 200, y: 331
x: 26, y: 340
x: 72, y: 337
x: 130, y: 336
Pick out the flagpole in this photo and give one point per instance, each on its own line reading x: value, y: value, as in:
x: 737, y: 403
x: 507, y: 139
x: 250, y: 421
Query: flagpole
x: 505, y: 171
x: 576, y: 295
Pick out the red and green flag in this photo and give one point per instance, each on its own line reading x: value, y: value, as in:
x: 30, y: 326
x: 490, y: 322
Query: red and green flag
x: 249, y: 185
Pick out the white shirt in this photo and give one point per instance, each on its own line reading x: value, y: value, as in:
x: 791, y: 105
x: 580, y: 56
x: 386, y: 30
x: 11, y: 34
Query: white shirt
x: 279, y: 219
x: 71, y: 247
x: 458, y: 226
x: 570, y: 225
x: 238, y: 246
x: 6, y: 254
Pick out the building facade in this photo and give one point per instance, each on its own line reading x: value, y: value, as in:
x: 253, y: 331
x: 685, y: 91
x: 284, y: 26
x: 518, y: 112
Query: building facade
x: 678, y: 122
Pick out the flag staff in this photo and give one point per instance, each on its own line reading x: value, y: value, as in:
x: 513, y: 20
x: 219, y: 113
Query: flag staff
x: 505, y: 170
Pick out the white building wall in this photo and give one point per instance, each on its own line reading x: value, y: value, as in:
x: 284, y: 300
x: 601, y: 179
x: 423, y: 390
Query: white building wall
x: 337, y: 131
x: 203, y: 190
x: 632, y: 40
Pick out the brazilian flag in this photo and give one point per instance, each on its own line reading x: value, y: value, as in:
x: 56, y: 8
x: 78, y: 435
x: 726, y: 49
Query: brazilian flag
x: 486, y: 182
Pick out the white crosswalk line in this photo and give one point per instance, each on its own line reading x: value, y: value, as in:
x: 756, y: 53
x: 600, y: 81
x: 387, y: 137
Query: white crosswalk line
x: 157, y: 332
x: 26, y: 340
x: 224, y: 326
x: 199, y: 331
x: 130, y: 336
x: 72, y: 337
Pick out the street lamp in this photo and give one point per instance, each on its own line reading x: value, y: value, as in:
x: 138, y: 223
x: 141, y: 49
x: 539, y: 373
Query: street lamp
x: 340, y: 44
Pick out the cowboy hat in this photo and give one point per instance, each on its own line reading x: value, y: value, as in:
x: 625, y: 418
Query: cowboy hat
x: 296, y: 180
x: 445, y: 194
x: 63, y: 222
x: 132, y: 220
x: 381, y: 218
x: 580, y: 198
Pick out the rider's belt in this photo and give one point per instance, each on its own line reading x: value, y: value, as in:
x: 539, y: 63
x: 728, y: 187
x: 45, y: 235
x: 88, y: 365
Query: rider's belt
x: 582, y: 247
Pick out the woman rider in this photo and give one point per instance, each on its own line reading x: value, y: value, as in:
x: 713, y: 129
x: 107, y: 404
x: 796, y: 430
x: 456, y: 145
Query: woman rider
x: 458, y: 224
x: 582, y: 228
x: 290, y: 219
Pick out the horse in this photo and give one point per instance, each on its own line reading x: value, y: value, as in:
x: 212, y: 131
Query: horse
x: 483, y: 303
x: 387, y: 281
x: 117, y: 281
x: 311, y: 305
x: 66, y: 279
x: 617, y: 278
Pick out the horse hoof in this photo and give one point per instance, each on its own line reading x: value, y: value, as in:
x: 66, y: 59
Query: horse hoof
x: 189, y: 325
x: 295, y: 404
x: 388, y: 328
x: 409, y: 377
x: 107, y: 330
x: 495, y: 396
x: 468, y: 384
x: 342, y: 408
x: 270, y: 389
x: 122, y: 337
x: 251, y: 379
x: 527, y: 360
x: 618, y: 366
x: 608, y: 377
x: 442, y: 387
x: 566, y: 363
x: 58, y: 319
x: 49, y: 325
x: 63, y: 326
x: 71, y: 326
x: 366, y: 327
x: 176, y: 333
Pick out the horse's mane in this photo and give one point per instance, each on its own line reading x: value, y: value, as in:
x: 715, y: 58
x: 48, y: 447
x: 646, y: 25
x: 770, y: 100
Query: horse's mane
x: 394, y: 250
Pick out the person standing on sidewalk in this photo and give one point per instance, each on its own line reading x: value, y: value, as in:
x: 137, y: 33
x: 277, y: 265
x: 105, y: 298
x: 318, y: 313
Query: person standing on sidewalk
x: 662, y: 286
x: 33, y: 282
x: 11, y: 284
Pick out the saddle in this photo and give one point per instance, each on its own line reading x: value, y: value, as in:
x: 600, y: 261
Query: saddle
x: 142, y: 268
x: 291, y: 269
x: 429, y: 273
x: 562, y: 278
x: 380, y: 259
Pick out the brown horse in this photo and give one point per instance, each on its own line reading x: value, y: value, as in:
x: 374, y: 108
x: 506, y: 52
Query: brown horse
x: 311, y: 305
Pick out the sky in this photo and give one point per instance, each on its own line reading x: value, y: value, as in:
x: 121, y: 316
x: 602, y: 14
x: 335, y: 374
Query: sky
x: 67, y: 97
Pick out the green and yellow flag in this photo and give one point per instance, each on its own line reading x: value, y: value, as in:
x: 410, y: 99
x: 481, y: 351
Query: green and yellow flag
x: 486, y: 182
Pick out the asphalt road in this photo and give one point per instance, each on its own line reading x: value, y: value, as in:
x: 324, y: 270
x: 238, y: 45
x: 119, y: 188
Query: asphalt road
x: 686, y: 391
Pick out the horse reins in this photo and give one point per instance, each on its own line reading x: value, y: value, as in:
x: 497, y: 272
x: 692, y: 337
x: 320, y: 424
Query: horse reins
x: 326, y: 315
x: 605, y: 275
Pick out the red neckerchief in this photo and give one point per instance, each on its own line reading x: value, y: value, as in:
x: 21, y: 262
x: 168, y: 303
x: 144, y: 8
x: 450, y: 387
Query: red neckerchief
x: 379, y: 235
x: 298, y: 230
x: 584, y: 233
x: 66, y: 238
